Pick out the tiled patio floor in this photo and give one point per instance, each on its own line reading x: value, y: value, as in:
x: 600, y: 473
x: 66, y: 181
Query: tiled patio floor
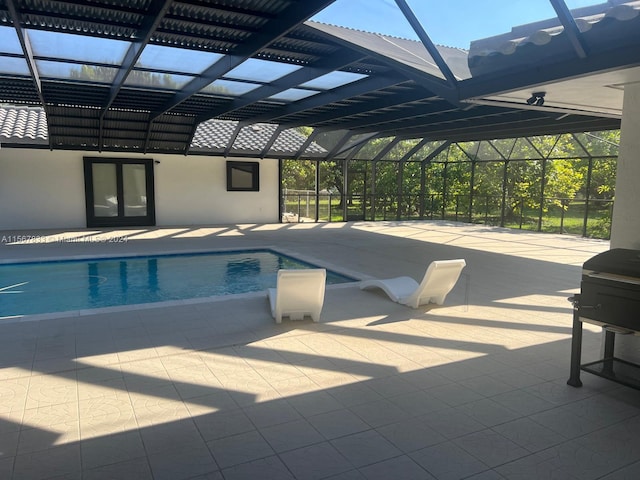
x: 475, y: 389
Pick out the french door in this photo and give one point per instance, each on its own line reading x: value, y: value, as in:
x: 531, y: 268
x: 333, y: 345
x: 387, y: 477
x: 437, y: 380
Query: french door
x: 119, y: 192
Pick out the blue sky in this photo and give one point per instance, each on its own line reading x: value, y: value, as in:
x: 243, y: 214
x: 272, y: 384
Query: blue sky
x: 448, y: 22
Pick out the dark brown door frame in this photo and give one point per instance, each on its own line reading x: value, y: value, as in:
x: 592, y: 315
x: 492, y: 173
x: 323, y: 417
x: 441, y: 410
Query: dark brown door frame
x: 120, y: 220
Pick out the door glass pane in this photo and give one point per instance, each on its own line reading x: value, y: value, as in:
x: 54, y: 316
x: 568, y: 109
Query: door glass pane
x: 105, y: 190
x: 134, y: 184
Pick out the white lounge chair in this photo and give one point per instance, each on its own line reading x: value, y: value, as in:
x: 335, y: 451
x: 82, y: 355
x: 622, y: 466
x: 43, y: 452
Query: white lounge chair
x: 298, y: 293
x: 438, y: 281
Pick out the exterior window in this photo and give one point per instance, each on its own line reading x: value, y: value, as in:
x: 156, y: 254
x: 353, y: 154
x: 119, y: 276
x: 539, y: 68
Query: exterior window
x: 243, y: 176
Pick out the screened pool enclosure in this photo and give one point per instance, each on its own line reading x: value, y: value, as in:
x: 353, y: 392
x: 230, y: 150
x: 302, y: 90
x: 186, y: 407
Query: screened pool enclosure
x: 375, y: 109
x: 553, y: 183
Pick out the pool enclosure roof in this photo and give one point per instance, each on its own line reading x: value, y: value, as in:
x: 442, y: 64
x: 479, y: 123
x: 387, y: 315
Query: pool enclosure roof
x: 143, y: 75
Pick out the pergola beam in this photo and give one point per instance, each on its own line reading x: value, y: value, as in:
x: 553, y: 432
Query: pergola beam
x: 306, y: 144
x: 350, y: 90
x: 436, y: 152
x: 25, y: 44
x: 146, y: 30
x: 148, y: 27
x: 507, y: 129
x: 387, y: 148
x: 336, y: 148
x: 433, y: 84
x: 271, y: 141
x: 357, y: 145
x: 433, y: 119
x: 233, y: 138
x: 415, y: 149
x: 428, y: 44
x: 291, y: 80
x: 363, y: 107
x: 570, y: 27
x: 273, y: 30
x: 405, y: 115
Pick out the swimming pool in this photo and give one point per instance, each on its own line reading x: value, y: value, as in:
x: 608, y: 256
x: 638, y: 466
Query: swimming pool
x: 85, y: 284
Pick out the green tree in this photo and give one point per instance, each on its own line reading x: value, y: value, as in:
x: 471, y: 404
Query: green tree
x: 298, y: 174
x: 565, y: 178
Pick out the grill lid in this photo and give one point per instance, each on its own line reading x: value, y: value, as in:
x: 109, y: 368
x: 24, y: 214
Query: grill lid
x: 617, y: 261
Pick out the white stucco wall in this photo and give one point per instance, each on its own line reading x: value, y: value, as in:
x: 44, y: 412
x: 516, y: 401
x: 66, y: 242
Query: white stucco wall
x: 193, y: 191
x: 41, y: 189
x: 625, y: 226
x: 45, y: 189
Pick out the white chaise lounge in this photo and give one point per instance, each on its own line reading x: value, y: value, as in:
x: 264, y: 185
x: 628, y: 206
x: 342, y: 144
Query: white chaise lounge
x: 298, y: 293
x: 438, y: 281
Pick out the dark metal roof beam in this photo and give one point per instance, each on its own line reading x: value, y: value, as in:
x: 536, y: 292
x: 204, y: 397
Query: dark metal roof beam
x: 570, y: 27
x: 199, y: 23
x: 102, y: 16
x: 306, y: 144
x: 386, y: 149
x: 415, y: 149
x: 498, y: 151
x: 480, y: 123
x: 577, y: 140
x: 293, y: 79
x: 147, y: 137
x: 426, y: 41
x: 495, y: 122
x: 380, y: 119
x: 437, y: 151
x: 23, y: 38
x: 273, y: 30
x: 211, y: 74
x: 187, y: 144
x: 350, y: 90
x: 366, y: 106
x: 233, y: 137
x: 543, y: 128
x: 357, y: 145
x: 429, y: 82
x: 271, y: 141
x: 511, y: 129
x: 442, y: 118
x: 536, y: 149
x: 545, y: 108
x: 466, y: 154
x: 193, y: 37
x: 101, y: 9
x: 149, y: 25
x: 354, y: 152
x: 345, y: 138
x: 228, y: 9
x: 146, y: 30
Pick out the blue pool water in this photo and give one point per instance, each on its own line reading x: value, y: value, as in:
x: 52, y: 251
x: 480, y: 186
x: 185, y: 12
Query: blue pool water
x: 59, y: 286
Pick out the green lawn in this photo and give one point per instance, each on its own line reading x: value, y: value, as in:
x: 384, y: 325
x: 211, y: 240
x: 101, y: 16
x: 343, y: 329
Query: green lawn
x: 554, y: 219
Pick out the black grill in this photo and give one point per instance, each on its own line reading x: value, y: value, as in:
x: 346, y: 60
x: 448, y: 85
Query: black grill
x: 609, y: 297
